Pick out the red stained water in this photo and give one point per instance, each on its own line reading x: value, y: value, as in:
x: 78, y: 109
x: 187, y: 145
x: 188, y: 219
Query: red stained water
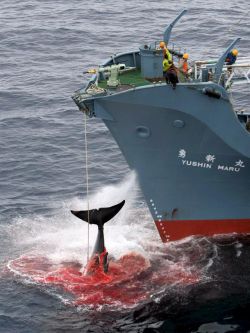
x: 129, y: 281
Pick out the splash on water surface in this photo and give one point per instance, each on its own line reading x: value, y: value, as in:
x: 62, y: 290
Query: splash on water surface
x: 52, y: 255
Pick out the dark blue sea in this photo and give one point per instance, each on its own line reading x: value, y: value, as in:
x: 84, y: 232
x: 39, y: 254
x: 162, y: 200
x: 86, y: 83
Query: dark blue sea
x: 197, y: 285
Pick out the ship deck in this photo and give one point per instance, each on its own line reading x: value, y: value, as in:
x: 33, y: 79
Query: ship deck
x: 129, y: 79
x: 133, y: 79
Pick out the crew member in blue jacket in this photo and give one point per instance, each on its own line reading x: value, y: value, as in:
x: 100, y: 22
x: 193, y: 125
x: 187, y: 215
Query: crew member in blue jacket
x: 231, y: 57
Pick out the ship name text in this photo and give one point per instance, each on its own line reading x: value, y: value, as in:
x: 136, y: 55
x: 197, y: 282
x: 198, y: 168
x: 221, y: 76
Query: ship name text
x: 228, y: 168
x: 196, y: 164
x: 210, y: 162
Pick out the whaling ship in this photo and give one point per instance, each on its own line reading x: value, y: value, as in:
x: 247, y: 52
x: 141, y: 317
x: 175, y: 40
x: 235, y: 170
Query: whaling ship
x: 189, y: 147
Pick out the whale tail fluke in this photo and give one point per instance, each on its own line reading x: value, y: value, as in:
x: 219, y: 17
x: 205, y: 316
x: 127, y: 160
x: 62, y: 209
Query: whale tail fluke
x: 98, y: 216
x: 99, y: 258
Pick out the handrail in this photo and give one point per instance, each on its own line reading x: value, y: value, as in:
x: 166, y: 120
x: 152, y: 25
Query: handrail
x: 243, y: 63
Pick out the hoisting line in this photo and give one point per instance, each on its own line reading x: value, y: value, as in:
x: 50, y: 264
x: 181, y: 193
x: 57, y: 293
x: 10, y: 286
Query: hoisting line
x: 87, y: 177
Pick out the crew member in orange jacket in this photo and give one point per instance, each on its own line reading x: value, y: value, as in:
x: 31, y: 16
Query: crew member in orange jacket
x: 183, y: 64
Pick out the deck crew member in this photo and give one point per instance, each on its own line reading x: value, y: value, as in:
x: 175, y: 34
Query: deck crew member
x: 163, y: 46
x: 166, y: 64
x: 231, y: 57
x: 172, y: 75
x: 183, y: 64
x: 170, y: 72
x: 167, y: 60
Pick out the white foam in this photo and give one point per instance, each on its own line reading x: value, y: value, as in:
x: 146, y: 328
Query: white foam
x: 63, y: 237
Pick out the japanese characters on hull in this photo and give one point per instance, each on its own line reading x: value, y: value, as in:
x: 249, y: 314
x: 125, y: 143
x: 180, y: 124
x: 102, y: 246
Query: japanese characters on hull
x: 209, y: 161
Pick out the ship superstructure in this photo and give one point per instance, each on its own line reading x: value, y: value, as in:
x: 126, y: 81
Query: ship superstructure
x: 189, y: 147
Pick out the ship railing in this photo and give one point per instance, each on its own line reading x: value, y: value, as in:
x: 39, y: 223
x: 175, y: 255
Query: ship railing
x: 238, y: 73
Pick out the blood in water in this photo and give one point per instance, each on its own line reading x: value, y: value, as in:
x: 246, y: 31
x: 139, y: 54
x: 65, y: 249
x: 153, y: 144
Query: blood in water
x: 129, y: 281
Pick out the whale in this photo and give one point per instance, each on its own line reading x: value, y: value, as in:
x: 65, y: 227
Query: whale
x: 99, y: 257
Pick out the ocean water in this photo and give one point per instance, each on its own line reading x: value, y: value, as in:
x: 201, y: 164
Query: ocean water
x: 195, y: 285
